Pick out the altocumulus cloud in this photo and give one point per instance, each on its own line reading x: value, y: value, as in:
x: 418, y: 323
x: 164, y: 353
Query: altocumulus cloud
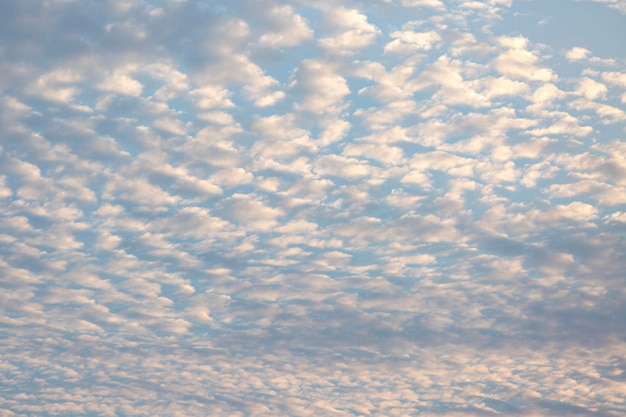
x: 327, y: 208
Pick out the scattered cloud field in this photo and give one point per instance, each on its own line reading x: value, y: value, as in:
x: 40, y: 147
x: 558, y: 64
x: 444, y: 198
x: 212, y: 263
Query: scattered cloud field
x: 326, y: 208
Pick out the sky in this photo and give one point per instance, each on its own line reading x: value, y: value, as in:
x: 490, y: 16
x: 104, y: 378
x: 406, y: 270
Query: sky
x: 313, y: 208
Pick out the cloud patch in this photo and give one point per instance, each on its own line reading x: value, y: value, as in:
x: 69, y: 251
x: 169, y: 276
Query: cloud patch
x: 394, y: 208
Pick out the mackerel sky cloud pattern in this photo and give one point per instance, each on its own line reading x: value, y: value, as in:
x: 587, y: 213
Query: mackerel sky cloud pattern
x: 312, y: 208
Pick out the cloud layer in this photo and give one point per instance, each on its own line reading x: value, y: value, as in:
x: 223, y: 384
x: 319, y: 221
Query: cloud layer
x: 247, y: 208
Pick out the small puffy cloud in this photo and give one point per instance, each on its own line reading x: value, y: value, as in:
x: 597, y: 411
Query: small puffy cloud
x: 4, y: 190
x: 175, y: 81
x: 122, y: 84
x: 591, y: 89
x: 139, y: 191
x: 280, y: 136
x: 403, y: 200
x: 323, y: 88
x: 518, y: 62
x: 385, y: 117
x: 435, y: 4
x: 217, y: 117
x: 334, y: 130
x: 353, y: 31
x: 563, y: 123
x: 211, y: 96
x: 393, y: 85
x: 547, y: 93
x: 577, y: 54
x: 107, y: 241
x: 443, y: 161
x: 195, y: 222
x: 533, y: 148
x: 288, y: 28
x: 260, y: 92
x: 225, y: 64
x: 503, y: 86
x: 342, y: 167
x: 537, y: 172
x: 409, y: 42
x: 417, y: 177
x: 544, y: 96
x: 576, y: 211
x: 616, y: 78
x: 603, y: 193
x: 617, y: 217
x: 499, y: 173
x: 608, y: 114
x: 232, y: 176
x: 389, y: 155
x: 171, y: 125
x: 59, y: 85
x: 250, y: 213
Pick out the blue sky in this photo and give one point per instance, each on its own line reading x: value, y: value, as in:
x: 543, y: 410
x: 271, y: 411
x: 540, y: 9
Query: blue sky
x: 329, y: 208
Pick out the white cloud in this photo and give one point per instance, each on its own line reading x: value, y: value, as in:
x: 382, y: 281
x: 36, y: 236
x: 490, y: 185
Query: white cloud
x: 4, y: 190
x: 194, y: 222
x: 258, y: 92
x: 442, y: 161
x: 280, y: 137
x: 436, y: 4
x: 292, y: 29
x: 171, y: 125
x: 389, y: 155
x: 250, y: 212
x: 57, y: 86
x: 577, y: 53
x: 138, y: 191
x: 518, y: 62
x: 401, y: 199
x: 232, y: 177
x: 121, y: 83
x: 209, y: 97
x: 323, y: 88
x: 392, y: 85
x: 591, y: 89
x: 575, y: 211
x: 408, y: 41
x: 502, y: 86
x: 418, y: 177
x: 604, y: 193
x: 547, y: 93
x: 334, y: 130
x: 217, y: 117
x: 251, y: 208
x: 353, y: 31
x: 614, y: 4
x: 564, y: 123
x: 385, y: 117
x: 608, y: 114
x: 107, y: 241
x: 537, y: 172
x: 616, y: 78
x: 176, y: 82
x: 618, y: 216
x: 343, y: 167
